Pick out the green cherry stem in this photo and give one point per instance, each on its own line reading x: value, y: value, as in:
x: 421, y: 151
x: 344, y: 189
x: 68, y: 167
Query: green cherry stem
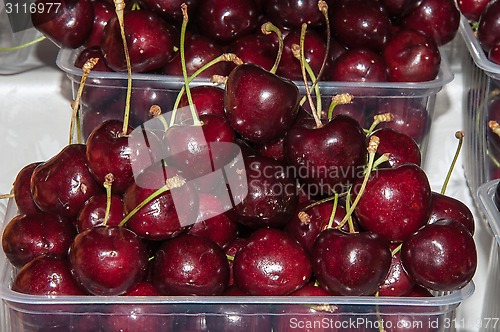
x: 334, y: 210
x: 5, y: 196
x: 378, y: 119
x: 119, y: 9
x: 108, y: 182
x: 268, y: 28
x: 155, y: 112
x: 397, y: 249
x: 323, y: 7
x: 18, y: 47
x: 75, y: 105
x: 171, y: 183
x: 460, y: 136
x: 297, y: 54
x: 372, y: 149
x: 340, y: 99
x: 382, y: 159
x: 230, y: 258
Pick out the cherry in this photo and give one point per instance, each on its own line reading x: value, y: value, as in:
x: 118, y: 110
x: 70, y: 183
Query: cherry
x: 200, y: 51
x: 272, y: 263
x: 271, y: 198
x: 472, y: 9
x: 293, y: 13
x: 190, y: 265
x: 360, y: 263
x: 272, y: 149
x: 314, y: 53
x: 440, y: 256
x: 488, y: 28
x: 103, y: 12
x: 64, y: 183
x: 108, y: 152
x: 438, y: 19
x: 329, y: 157
x: 397, y: 8
x: 231, y: 249
x: 171, y: 9
x: 358, y: 23
x: 396, y: 202
x: 255, y: 48
x: 402, y: 148
x: 359, y: 65
x: 397, y: 282
x: 419, y: 291
x: 411, y: 57
x: 494, y: 54
x: 92, y: 52
x: 143, y: 96
x: 22, y: 190
x: 28, y: 236
x: 206, y: 98
x: 253, y: 94
x: 150, y: 41
x: 46, y: 275
x: 108, y: 260
x: 446, y: 207
x: 70, y: 26
x: 94, y: 211
x: 226, y: 20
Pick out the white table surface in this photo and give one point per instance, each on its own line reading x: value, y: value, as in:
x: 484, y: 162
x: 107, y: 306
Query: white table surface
x: 34, y: 125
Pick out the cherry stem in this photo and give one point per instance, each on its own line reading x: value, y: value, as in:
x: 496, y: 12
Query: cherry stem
x: 493, y: 159
x: 372, y: 149
x: 396, y: 250
x: 18, y: 47
x: 171, y: 183
x: 348, y: 206
x: 324, y: 200
x: 185, y: 20
x: 312, y: 76
x: 108, y: 182
x: 227, y: 57
x: 230, y: 258
x: 334, y: 210
x: 136, y: 6
x: 75, y: 105
x: 304, y: 76
x: 119, y: 9
x: 460, y: 136
x: 377, y: 119
x: 323, y: 7
x: 266, y: 29
x: 5, y: 196
x: 382, y: 159
x: 340, y: 99
x: 155, y: 112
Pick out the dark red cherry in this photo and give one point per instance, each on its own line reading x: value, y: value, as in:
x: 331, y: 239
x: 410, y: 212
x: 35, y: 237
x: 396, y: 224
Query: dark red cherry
x: 441, y: 256
x: 396, y: 202
x: 494, y: 54
x: 292, y: 13
x: 69, y: 26
x: 272, y: 149
x: 255, y: 48
x: 206, y: 98
x: 46, y: 275
x: 360, y: 23
x: 402, y: 149
x: 472, y: 9
x: 108, y: 260
x: 447, y: 207
x: 488, y: 28
x: 171, y: 9
x: 361, y: 262
x: 64, y: 183
x: 259, y: 105
x: 397, y: 8
x: 272, y: 263
x: 22, y: 190
x: 190, y: 265
x: 144, y: 95
x: 28, y: 236
x: 359, y: 65
x: 411, y: 57
x: 397, y: 282
x: 151, y: 42
x: 94, y: 211
x: 89, y: 53
x: 103, y: 12
x: 314, y: 53
x: 437, y: 19
x: 226, y: 20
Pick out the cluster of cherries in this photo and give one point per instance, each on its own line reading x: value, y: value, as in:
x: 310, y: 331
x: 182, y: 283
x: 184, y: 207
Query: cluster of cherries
x: 317, y: 205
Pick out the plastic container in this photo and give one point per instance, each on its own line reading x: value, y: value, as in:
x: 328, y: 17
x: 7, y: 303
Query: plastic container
x: 491, y: 306
x: 170, y: 313
x: 104, y: 96
x: 482, y: 103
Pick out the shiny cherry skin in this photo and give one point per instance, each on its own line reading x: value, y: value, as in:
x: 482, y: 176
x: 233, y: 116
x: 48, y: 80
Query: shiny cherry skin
x: 22, y: 190
x: 226, y: 20
x: 103, y: 12
x: 64, y: 183
x: 230, y: 250
x: 150, y: 40
x: 190, y: 265
x: 292, y: 13
x: 259, y: 105
x: 206, y: 98
x: 397, y: 8
x: 171, y: 9
x: 108, y: 260
x: 272, y: 149
x: 255, y: 48
x: 92, y: 52
x: 94, y: 211
x: 358, y: 23
x: 402, y: 149
x: 447, y: 207
x: 70, y: 26
x: 397, y: 282
x: 488, y: 28
x: 361, y: 262
x: 396, y: 202
x: 28, y: 236
x: 494, y: 54
x: 441, y: 256
x: 438, y: 19
x: 411, y: 57
x: 359, y: 65
x: 472, y: 9
x: 271, y: 264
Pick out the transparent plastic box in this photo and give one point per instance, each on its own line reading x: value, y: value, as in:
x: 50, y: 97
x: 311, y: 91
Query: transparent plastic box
x: 104, y: 96
x: 480, y: 100
x: 196, y: 313
x: 491, y: 306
